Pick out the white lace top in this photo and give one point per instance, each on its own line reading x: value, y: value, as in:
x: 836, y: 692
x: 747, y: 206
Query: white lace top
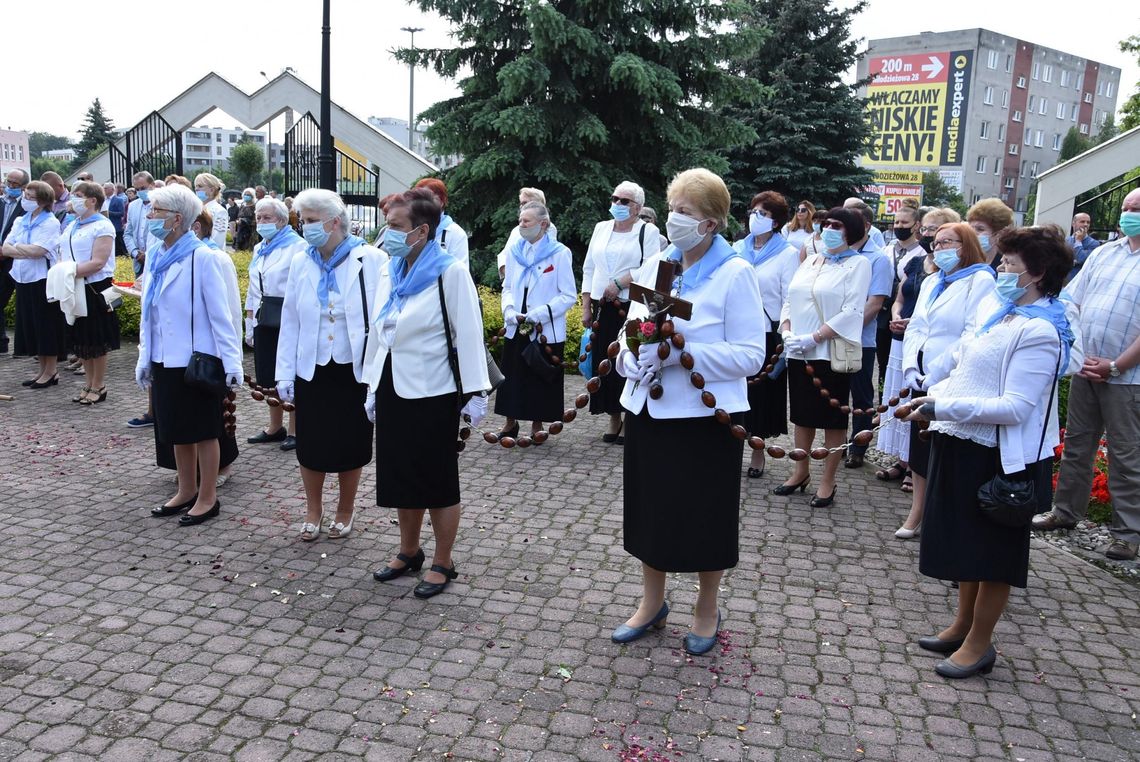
x: 977, y: 374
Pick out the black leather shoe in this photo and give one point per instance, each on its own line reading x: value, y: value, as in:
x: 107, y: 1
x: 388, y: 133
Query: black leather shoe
x: 853, y: 461
x: 429, y: 589
x: 933, y: 643
x: 823, y: 502
x: 163, y: 511
x: 787, y: 489
x: 190, y: 520
x: 290, y: 443
x: 53, y: 381
x: 29, y: 382
x: 265, y: 437
x: 984, y: 665
x: 411, y: 563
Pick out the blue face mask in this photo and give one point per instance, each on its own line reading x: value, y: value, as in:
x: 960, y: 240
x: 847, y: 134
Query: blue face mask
x: 15, y: 192
x: 157, y: 228
x: 984, y: 241
x: 946, y: 259
x: 267, y: 230
x: 1007, y: 289
x: 144, y: 195
x: 396, y: 243
x: 201, y: 194
x: 315, y: 234
x: 815, y: 226
x: 833, y: 239
x: 619, y: 212
x: 247, y: 199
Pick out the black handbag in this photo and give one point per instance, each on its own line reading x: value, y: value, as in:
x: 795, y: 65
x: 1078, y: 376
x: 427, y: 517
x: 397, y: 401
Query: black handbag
x: 269, y: 310
x: 452, y: 354
x: 534, y: 355
x: 1011, y: 499
x: 204, y: 372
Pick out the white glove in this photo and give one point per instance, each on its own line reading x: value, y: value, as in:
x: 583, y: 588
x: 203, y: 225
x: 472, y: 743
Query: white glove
x: 476, y: 408
x: 285, y: 391
x: 913, y: 380
x: 627, y: 365
x: 370, y: 406
x: 142, y: 377
x: 800, y: 344
x: 249, y: 332
x: 233, y: 381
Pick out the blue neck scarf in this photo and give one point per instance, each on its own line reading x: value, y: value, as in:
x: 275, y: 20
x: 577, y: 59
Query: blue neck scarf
x: 529, y: 258
x: 210, y: 243
x: 29, y: 226
x: 161, y: 258
x: 945, y: 280
x: 93, y: 218
x: 719, y: 253
x: 282, y: 237
x: 328, y: 280
x: 429, y: 265
x: 1054, y: 313
x: 837, y: 258
x: 776, y: 244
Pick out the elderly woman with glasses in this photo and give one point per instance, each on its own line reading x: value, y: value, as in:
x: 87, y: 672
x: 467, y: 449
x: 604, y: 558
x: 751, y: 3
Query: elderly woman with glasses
x: 617, y: 247
x: 799, y: 229
x: 185, y: 310
x: 825, y: 301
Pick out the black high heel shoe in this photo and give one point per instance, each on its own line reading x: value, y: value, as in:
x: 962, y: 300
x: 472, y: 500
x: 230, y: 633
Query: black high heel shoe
x: 787, y: 489
x: 429, y: 589
x: 823, y: 502
x: 53, y: 381
x: 411, y: 564
x: 512, y: 432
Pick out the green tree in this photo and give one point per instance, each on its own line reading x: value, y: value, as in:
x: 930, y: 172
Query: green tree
x: 1073, y: 145
x: 574, y: 96
x: 247, y: 160
x: 38, y: 142
x: 936, y: 192
x: 98, y: 131
x: 1131, y: 107
x: 810, y: 125
x: 40, y: 164
x: 1107, y: 132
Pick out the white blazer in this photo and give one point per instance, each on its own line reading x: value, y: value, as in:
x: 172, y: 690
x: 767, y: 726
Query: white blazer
x: 598, y: 272
x: 934, y: 329
x: 301, y: 313
x: 725, y: 337
x: 1027, y: 370
x: 273, y: 270
x: 773, y: 276
x: 164, y: 331
x: 419, y: 347
x: 221, y: 223
x: 553, y: 286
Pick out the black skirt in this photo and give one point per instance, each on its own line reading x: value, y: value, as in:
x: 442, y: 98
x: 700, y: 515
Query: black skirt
x: 525, y: 395
x: 611, y: 324
x: 265, y: 355
x: 39, y: 325
x: 98, y: 333
x: 417, y: 464
x: 768, y: 398
x: 682, y: 522
x: 959, y: 543
x: 182, y: 414
x: 919, y: 448
x: 333, y: 431
x: 809, y: 409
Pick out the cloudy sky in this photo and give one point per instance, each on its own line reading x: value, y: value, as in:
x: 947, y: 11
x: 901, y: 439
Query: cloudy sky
x: 135, y: 57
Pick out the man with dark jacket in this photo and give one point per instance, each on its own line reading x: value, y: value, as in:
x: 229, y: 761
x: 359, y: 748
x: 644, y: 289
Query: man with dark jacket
x: 10, y: 209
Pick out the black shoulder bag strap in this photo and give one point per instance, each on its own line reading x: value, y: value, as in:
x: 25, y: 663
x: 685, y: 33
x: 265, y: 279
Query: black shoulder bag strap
x: 191, y: 302
x: 364, y: 306
x: 641, y: 245
x: 452, y: 355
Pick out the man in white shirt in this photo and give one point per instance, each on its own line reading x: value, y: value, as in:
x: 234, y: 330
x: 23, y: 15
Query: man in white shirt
x: 137, y: 237
x: 1102, y: 397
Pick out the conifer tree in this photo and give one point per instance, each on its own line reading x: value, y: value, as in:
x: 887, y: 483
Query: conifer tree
x: 98, y: 131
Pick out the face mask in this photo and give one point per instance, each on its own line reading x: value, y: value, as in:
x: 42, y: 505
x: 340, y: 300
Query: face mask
x: 1130, y: 223
x: 1007, y: 289
x: 984, y: 241
x: 946, y: 259
x: 157, y: 228
x: 396, y: 243
x: 201, y: 194
x: 29, y: 205
x: 758, y: 224
x: 267, y: 230
x: 531, y: 234
x: 247, y: 198
x: 683, y: 231
x: 816, y: 226
x: 78, y: 205
x: 927, y: 243
x: 15, y: 192
x: 619, y: 212
x: 144, y: 195
x: 903, y: 234
x: 833, y: 239
x: 315, y: 234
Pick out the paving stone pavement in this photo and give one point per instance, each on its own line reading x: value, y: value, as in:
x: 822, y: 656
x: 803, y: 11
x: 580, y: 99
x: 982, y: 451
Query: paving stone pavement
x: 127, y: 638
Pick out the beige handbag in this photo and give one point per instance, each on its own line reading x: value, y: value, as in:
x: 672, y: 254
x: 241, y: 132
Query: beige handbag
x: 846, y: 356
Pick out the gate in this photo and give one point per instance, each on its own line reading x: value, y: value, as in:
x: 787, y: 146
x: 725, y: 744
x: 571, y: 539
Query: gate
x: 152, y: 146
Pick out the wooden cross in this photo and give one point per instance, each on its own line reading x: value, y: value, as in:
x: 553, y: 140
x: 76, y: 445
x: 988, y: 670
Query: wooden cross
x: 659, y: 299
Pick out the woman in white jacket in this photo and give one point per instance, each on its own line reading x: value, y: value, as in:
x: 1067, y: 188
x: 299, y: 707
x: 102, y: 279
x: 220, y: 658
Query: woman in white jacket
x: 946, y: 310
x: 209, y: 189
x: 995, y: 411
x: 184, y: 310
x: 325, y: 330
x: 428, y: 355
x: 538, y: 290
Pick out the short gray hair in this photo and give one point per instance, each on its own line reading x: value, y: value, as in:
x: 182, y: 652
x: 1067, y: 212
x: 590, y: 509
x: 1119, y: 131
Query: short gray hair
x: 278, y: 208
x: 178, y: 198
x: 541, y: 213
x: 143, y: 175
x: 632, y: 189
x: 323, y: 202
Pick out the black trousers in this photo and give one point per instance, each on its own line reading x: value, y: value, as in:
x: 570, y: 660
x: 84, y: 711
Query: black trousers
x: 7, y: 288
x: 862, y: 398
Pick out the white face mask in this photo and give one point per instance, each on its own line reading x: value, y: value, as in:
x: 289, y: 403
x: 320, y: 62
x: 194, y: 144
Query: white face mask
x: 78, y: 204
x: 683, y: 231
x: 28, y: 204
x: 531, y: 234
x: 758, y: 224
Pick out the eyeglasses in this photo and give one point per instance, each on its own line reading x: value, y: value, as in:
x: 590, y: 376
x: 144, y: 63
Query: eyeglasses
x: 833, y: 225
x: 620, y: 200
x: 158, y: 210
x: 942, y: 242
x: 928, y: 229
x: 645, y: 218
x: 802, y: 210
x: 761, y: 211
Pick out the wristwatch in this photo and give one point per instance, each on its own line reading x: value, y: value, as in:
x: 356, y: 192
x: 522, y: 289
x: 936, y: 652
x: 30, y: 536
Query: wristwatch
x: 619, y: 286
x: 1113, y: 371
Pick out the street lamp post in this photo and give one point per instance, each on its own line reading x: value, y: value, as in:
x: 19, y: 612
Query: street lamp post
x: 325, y: 160
x: 411, y: 87
x: 269, y: 146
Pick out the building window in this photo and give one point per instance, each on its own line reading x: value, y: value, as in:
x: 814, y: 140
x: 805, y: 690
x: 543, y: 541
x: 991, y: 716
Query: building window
x: 1023, y: 165
x: 219, y: 136
x: 1080, y: 82
x: 1109, y: 89
x: 233, y: 138
x: 1005, y: 99
x: 1009, y: 183
x: 992, y: 60
x: 1076, y: 108
x: 1021, y: 82
x: 1066, y: 78
x: 1060, y: 110
x: 981, y: 167
x: 977, y: 197
x: 1013, y: 149
x: 1056, y: 141
x: 21, y: 149
x: 1016, y: 115
x: 1029, y: 106
x: 989, y: 96
x: 1008, y: 63
x: 1001, y: 132
x: 1047, y: 74
x: 997, y: 165
x: 1084, y: 128
x: 1043, y: 107
x: 1100, y: 87
x: 1088, y: 97
x: 1034, y: 168
x: 1039, y: 140
x: 1036, y: 70
x: 1028, y: 136
x: 985, y: 133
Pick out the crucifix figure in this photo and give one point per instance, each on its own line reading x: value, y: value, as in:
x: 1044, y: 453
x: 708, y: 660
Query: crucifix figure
x: 661, y: 305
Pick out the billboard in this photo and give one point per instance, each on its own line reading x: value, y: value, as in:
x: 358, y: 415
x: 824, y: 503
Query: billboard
x: 916, y: 107
x: 891, y: 189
